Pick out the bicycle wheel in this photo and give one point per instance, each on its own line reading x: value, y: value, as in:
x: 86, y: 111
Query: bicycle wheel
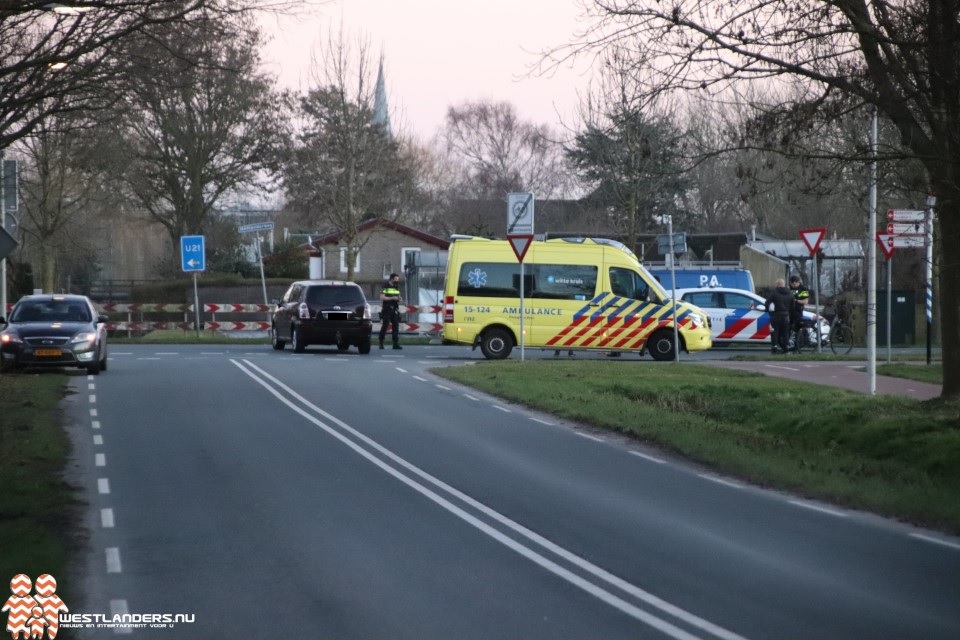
x: 841, y: 339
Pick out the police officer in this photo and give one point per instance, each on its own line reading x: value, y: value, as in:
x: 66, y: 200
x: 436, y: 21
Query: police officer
x: 801, y: 295
x: 390, y: 309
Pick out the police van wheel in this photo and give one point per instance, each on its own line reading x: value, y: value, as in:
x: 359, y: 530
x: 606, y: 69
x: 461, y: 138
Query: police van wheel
x: 660, y: 345
x: 496, y: 344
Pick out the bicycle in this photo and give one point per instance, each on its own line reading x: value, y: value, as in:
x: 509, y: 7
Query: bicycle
x: 841, y: 336
x: 803, y: 338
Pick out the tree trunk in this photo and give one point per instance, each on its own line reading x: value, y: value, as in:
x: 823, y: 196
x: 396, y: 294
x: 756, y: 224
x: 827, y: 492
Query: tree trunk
x: 948, y: 201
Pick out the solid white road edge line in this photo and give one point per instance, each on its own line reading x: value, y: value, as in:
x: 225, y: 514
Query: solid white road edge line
x: 527, y: 552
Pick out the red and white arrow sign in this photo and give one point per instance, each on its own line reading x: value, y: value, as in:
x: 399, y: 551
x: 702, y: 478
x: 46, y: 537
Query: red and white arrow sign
x: 812, y: 238
x: 885, y: 240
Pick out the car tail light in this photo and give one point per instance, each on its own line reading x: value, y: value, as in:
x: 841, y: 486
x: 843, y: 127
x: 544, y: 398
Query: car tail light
x: 304, y: 311
x: 448, y: 309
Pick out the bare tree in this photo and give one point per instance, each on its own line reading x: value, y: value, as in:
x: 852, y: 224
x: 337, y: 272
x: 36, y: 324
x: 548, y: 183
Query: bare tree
x: 495, y: 152
x: 897, y: 56
x: 58, y: 58
x: 58, y: 199
x: 345, y: 166
x: 630, y: 152
x: 198, y: 120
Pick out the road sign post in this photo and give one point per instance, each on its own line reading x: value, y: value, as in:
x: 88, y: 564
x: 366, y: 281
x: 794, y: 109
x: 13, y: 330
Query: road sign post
x: 812, y: 238
x: 257, y: 227
x: 193, y: 259
x: 520, y: 234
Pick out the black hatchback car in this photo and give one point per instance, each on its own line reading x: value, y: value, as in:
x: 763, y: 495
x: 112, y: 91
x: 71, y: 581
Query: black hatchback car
x: 54, y: 331
x: 322, y: 312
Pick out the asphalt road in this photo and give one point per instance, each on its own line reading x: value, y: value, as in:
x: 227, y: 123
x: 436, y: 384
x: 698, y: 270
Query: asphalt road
x: 325, y: 495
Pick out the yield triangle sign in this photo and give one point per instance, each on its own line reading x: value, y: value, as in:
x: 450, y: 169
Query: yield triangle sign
x: 812, y: 238
x: 520, y: 244
x: 885, y: 240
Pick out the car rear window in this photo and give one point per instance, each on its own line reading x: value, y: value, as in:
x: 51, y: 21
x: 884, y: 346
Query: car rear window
x: 335, y: 296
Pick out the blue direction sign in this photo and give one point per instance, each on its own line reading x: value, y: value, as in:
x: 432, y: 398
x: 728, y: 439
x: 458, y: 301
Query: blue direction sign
x: 192, y: 253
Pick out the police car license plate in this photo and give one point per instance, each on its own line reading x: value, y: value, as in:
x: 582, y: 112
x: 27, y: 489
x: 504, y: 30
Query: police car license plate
x: 48, y: 353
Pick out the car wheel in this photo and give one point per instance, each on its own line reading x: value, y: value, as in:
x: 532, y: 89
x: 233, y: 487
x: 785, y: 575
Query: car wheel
x: 94, y: 368
x: 364, y: 347
x: 103, y: 361
x: 296, y: 342
x: 496, y: 343
x: 660, y: 345
x: 275, y: 340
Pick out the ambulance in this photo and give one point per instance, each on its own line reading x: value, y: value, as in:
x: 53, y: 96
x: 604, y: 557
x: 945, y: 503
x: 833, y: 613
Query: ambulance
x: 578, y: 293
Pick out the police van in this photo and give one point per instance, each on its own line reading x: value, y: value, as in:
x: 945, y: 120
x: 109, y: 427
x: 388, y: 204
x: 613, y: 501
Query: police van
x: 579, y: 293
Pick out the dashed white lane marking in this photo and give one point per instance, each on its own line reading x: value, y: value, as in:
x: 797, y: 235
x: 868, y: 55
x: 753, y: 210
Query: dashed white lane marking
x: 504, y: 409
x: 726, y: 483
x: 100, y: 459
x: 106, y: 518
x: 93, y: 413
x: 814, y: 507
x: 589, y: 437
x: 440, y: 386
x: 420, y: 379
x: 648, y: 457
x: 93, y: 399
x: 776, y: 366
x: 98, y: 440
x: 401, y: 370
x: 113, y: 560
x: 945, y: 543
x: 91, y: 386
x: 95, y: 424
x: 470, y: 397
x: 549, y: 424
x: 120, y: 608
x: 103, y: 486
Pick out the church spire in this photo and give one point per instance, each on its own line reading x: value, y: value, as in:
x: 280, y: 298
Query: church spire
x: 381, y: 112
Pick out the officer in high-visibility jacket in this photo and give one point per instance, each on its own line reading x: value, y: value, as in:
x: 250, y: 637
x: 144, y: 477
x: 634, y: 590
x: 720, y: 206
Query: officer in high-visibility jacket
x: 390, y: 310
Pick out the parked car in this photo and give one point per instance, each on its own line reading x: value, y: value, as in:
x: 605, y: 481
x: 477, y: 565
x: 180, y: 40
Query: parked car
x: 322, y: 312
x: 738, y: 315
x: 54, y: 331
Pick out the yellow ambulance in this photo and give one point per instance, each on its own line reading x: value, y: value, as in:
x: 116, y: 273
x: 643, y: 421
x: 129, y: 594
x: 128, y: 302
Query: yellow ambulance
x: 578, y: 293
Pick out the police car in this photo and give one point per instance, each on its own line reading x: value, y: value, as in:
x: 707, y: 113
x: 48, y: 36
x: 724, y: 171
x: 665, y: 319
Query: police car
x: 737, y: 315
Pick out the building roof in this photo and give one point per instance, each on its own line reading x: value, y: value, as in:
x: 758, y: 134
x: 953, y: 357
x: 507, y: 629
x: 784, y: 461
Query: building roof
x: 334, y: 238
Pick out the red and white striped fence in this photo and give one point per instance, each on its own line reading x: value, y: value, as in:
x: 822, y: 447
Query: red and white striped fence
x: 139, y: 324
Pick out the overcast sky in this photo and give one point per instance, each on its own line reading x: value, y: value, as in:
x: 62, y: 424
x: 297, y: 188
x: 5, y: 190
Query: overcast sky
x: 440, y: 53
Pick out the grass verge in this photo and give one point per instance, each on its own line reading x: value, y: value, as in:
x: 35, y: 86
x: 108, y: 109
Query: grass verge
x: 36, y: 505
x: 890, y: 455
x: 919, y: 372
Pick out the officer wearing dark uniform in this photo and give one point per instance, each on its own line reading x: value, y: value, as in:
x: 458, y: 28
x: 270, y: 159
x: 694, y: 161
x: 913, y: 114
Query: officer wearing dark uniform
x: 779, y: 305
x: 390, y: 310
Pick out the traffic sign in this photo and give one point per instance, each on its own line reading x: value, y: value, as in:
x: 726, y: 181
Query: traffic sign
x: 909, y: 242
x: 906, y: 228
x: 885, y: 240
x: 812, y: 238
x: 192, y: 253
x: 520, y: 244
x: 906, y: 215
x: 256, y: 226
x: 519, y: 214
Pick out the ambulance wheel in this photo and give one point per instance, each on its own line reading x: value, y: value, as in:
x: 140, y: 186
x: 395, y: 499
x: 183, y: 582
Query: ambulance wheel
x: 661, y: 346
x: 496, y: 343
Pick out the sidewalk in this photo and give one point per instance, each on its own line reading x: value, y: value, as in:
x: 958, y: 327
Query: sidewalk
x: 838, y: 374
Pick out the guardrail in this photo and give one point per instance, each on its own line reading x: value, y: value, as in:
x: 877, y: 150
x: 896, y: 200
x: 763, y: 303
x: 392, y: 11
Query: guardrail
x: 136, y: 322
